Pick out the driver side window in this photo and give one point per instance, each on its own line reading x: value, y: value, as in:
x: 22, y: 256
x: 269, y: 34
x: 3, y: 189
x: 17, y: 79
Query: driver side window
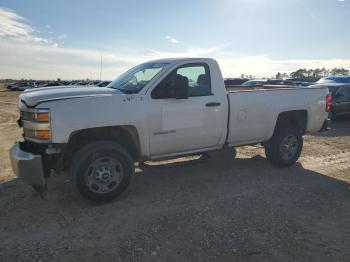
x: 197, y: 75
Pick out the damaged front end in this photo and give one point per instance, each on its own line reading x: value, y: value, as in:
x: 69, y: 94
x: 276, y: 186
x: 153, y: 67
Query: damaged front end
x: 28, y: 167
x: 35, y: 159
x: 32, y: 165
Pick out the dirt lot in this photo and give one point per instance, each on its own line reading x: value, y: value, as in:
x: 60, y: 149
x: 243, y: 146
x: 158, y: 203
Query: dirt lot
x: 221, y: 209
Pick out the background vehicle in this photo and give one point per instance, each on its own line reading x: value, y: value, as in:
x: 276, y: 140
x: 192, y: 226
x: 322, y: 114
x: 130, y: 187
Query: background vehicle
x: 25, y: 86
x: 255, y: 83
x: 10, y: 85
x: 340, y: 79
x: 234, y: 81
x: 159, y: 109
x: 47, y: 84
x: 21, y: 86
x: 103, y: 83
x: 93, y: 83
x: 340, y: 99
x: 280, y: 82
x: 268, y: 83
x: 299, y: 82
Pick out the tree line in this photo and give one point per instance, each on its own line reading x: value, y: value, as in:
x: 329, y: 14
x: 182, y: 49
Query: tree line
x: 312, y: 74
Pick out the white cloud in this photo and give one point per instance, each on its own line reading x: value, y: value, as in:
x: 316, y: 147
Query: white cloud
x: 233, y: 65
x: 62, y: 36
x: 41, y: 61
x: 265, y: 66
x: 13, y: 26
x: 171, y: 39
x: 190, y: 52
x: 24, y: 54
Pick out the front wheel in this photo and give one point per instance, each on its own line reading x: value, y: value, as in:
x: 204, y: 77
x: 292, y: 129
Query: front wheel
x: 285, y: 146
x: 102, y: 170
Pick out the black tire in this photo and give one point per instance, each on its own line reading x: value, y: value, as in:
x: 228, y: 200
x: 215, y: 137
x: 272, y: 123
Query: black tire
x: 108, y: 158
x: 277, y: 150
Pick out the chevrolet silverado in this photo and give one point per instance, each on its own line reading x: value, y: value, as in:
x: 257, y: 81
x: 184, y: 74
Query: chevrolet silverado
x: 158, y: 109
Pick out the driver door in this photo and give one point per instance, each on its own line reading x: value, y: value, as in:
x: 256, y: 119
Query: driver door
x: 182, y: 125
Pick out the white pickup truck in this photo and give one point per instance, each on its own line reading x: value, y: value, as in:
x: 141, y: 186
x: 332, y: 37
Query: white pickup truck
x: 162, y: 108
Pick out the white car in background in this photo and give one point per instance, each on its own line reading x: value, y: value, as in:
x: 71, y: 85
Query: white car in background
x: 336, y: 79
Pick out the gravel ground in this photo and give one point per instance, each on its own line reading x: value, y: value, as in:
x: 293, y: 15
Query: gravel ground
x: 219, y: 209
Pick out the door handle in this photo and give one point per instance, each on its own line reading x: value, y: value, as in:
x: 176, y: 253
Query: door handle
x: 213, y: 104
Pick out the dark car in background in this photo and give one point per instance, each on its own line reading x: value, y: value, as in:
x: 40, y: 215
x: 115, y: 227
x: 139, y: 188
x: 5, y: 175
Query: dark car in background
x: 10, y: 85
x: 103, y: 83
x: 303, y: 83
x: 234, y: 81
x: 21, y: 86
x: 280, y: 82
x: 300, y: 82
x: 48, y: 84
x: 268, y: 83
x: 258, y: 83
x: 340, y: 98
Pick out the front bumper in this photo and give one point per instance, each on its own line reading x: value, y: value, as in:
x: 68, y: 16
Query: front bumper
x: 326, y: 125
x: 27, y: 166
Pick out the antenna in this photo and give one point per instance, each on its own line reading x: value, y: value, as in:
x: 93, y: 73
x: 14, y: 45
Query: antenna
x: 101, y: 66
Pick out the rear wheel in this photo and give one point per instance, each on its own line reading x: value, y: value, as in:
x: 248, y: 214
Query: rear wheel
x: 285, y: 146
x: 102, y: 170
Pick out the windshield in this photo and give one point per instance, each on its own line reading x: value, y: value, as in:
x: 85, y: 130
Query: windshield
x: 137, y: 77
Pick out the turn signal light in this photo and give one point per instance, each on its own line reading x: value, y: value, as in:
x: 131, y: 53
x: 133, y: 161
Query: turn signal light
x: 43, y: 134
x: 43, y: 117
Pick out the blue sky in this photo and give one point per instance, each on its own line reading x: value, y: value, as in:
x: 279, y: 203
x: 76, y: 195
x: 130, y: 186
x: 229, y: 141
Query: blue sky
x: 50, y: 39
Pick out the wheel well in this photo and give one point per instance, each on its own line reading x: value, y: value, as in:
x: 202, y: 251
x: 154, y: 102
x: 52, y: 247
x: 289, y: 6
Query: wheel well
x: 126, y: 136
x: 297, y: 118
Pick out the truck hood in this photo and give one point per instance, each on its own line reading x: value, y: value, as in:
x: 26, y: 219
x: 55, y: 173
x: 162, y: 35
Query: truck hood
x: 35, y: 96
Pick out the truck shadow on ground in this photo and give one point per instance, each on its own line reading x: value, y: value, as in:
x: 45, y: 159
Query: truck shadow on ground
x: 155, y: 179
x: 227, y: 207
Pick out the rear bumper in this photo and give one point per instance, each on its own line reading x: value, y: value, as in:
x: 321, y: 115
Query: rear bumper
x: 27, y: 166
x: 326, y: 125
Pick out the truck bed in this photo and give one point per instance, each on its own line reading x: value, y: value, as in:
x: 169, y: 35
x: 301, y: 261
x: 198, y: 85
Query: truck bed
x: 253, y: 113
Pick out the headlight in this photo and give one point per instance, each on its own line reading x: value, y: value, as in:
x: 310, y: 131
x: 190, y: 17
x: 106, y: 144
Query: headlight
x: 36, y: 125
x: 42, y: 116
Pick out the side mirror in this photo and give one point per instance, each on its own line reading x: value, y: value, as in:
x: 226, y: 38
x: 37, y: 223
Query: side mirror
x: 181, y: 87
